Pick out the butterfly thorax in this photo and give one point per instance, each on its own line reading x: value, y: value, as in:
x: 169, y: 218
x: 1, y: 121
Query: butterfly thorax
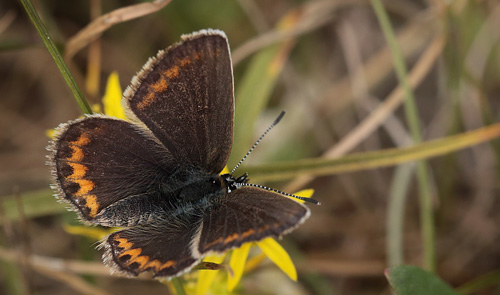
x: 187, y: 193
x: 207, y: 187
x: 201, y: 192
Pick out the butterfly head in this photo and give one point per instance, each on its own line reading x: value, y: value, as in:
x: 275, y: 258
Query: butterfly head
x: 233, y: 183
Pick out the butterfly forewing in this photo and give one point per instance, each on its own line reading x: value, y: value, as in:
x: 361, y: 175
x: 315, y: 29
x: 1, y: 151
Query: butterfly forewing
x: 99, y: 161
x: 185, y: 97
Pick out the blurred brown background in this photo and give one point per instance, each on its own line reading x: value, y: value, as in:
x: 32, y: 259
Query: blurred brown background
x: 338, y: 71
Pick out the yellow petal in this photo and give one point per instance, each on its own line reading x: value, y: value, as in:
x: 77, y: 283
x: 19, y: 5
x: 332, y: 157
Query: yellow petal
x: 50, y: 133
x: 112, y: 98
x: 207, y: 276
x: 279, y: 256
x: 96, y: 108
x: 237, y: 264
x: 306, y: 193
x: 254, y: 262
x: 225, y: 170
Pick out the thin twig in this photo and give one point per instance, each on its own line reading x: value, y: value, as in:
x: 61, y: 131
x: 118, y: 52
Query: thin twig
x: 255, y: 15
x: 414, y: 38
x: 92, y: 81
x: 77, y: 283
x: 104, y: 22
x: 60, y: 269
x: 58, y: 264
x: 7, y: 19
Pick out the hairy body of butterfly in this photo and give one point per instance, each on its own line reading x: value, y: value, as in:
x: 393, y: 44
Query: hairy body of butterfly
x: 157, y: 174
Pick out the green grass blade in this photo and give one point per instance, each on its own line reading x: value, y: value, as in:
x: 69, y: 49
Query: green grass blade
x: 412, y: 117
x: 371, y: 160
x: 395, y: 213
x: 35, y: 204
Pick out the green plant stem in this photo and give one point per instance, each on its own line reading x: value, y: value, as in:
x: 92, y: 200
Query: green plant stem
x: 374, y: 159
x: 35, y: 203
x: 426, y: 214
x: 56, y: 55
x: 395, y: 213
x: 179, y: 286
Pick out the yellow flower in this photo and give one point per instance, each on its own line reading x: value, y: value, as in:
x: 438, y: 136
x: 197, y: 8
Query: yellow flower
x: 113, y: 98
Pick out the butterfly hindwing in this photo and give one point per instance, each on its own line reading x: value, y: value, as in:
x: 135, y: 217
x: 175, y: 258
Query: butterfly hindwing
x: 185, y: 97
x: 163, y: 249
x: 99, y: 161
x: 248, y: 214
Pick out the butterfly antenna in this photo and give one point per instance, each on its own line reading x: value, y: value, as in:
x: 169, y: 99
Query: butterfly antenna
x: 309, y: 200
x: 258, y: 140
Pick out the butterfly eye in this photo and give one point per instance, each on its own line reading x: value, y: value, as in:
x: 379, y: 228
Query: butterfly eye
x: 216, y: 181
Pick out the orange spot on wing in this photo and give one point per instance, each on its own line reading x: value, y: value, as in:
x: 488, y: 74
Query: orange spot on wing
x: 154, y: 264
x: 247, y: 233
x: 231, y: 238
x: 184, y: 61
x: 85, y: 186
x: 172, y: 72
x: 77, y: 152
x: 169, y: 263
x: 133, y: 253
x: 145, y: 263
x: 76, y: 155
x: 142, y: 260
x: 92, y: 204
x: 79, y: 171
x: 160, y: 86
x: 235, y: 236
x: 123, y: 242
x: 218, y: 241
x: 84, y: 139
x: 147, y: 100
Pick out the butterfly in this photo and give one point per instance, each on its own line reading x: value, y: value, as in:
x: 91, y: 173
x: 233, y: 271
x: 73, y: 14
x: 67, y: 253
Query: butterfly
x: 157, y: 175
